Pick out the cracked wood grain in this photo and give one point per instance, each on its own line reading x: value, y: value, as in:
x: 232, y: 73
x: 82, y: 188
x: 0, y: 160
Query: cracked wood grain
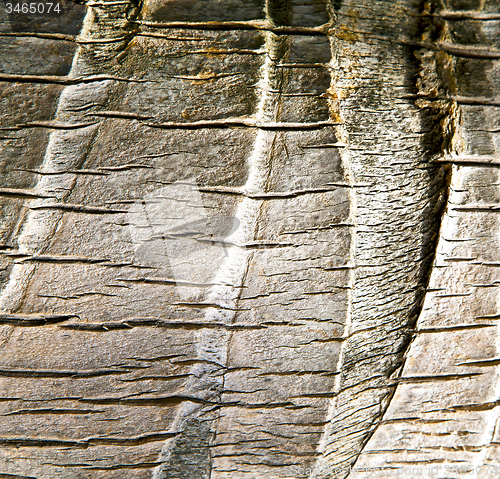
x: 436, y: 422
x: 274, y: 349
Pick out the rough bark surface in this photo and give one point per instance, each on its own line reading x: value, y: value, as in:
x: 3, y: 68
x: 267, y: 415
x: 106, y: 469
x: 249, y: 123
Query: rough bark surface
x: 330, y: 306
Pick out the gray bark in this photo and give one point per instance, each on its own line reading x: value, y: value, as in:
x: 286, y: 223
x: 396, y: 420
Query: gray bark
x: 250, y: 239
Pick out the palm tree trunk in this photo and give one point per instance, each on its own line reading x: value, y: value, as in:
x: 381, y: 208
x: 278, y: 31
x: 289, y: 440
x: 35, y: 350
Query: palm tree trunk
x: 246, y: 239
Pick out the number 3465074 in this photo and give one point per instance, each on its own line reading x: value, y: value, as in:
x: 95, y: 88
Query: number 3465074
x: 33, y: 8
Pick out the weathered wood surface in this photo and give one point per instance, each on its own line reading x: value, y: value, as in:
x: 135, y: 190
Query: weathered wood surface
x: 442, y: 420
x: 346, y: 151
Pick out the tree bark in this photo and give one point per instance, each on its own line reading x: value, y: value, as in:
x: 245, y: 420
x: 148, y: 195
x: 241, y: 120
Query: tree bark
x: 247, y: 239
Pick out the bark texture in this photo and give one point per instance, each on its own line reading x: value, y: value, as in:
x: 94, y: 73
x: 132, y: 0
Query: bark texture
x: 247, y: 239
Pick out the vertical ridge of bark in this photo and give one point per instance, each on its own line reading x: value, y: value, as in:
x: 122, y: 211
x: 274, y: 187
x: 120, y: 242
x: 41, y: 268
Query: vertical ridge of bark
x: 420, y: 415
x: 374, y: 348
x: 64, y: 152
x: 212, y: 345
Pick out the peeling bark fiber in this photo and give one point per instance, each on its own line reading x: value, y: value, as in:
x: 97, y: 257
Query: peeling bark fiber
x: 250, y: 239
